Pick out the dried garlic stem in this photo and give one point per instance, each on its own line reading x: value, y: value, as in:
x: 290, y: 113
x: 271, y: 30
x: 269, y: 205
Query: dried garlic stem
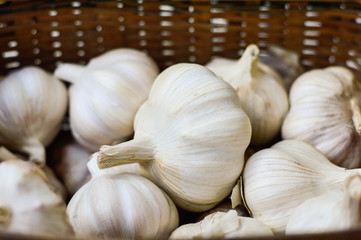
x: 356, y: 114
x: 69, y: 72
x: 36, y: 152
x: 247, y: 64
x: 133, y: 151
x: 5, y: 216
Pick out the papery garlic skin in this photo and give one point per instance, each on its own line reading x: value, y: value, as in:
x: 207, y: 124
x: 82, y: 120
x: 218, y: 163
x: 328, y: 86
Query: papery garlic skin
x: 325, y: 112
x: 105, y: 95
x: 95, y: 171
x: 125, y: 206
x: 190, y: 137
x: 260, y: 89
x: 335, y: 210
x: 28, y: 205
x: 222, y: 225
x: 32, y: 106
x: 278, y: 179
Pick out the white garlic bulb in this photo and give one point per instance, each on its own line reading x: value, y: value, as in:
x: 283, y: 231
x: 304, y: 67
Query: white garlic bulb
x: 220, y: 225
x: 96, y: 171
x: 125, y: 206
x: 53, y: 181
x: 69, y: 160
x: 27, y: 204
x: 105, y: 95
x: 325, y: 112
x: 190, y: 137
x: 335, y: 210
x: 285, y: 62
x: 32, y: 106
x: 260, y: 89
x: 278, y: 179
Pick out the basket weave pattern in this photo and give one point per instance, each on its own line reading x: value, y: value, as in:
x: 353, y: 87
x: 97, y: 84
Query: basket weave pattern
x: 47, y: 32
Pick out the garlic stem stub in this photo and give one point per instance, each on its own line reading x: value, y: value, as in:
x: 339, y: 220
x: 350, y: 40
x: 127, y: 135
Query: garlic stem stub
x: 106, y: 94
x: 190, y: 137
x: 278, y: 179
x: 122, y: 206
x: 95, y: 171
x: 32, y: 106
x: 261, y: 92
x: 325, y: 112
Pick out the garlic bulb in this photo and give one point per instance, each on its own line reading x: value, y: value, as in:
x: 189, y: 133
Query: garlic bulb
x: 220, y: 225
x: 278, y: 179
x: 96, y: 171
x: 325, y: 112
x: 27, y: 204
x: 335, y: 210
x: 190, y: 137
x: 123, y: 206
x: 32, y: 107
x: 285, y: 62
x: 106, y: 94
x: 260, y: 89
x: 55, y: 184
x: 69, y: 160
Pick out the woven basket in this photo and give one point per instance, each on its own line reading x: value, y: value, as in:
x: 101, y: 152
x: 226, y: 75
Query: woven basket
x: 45, y: 33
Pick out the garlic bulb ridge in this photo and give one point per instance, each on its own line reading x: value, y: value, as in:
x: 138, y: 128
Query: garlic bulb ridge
x: 260, y: 89
x: 190, y: 137
x: 105, y: 95
x: 32, y: 106
x: 325, y: 112
x: 278, y: 179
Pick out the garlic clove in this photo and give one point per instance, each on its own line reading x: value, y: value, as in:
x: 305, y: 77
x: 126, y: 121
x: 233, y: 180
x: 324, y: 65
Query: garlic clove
x: 278, y: 179
x: 105, y: 95
x: 32, y: 106
x: 190, y: 137
x: 125, y: 206
x: 222, y: 225
x: 261, y: 92
x: 28, y: 205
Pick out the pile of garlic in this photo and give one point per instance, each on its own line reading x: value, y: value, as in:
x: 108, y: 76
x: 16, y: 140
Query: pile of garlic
x: 146, y: 147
